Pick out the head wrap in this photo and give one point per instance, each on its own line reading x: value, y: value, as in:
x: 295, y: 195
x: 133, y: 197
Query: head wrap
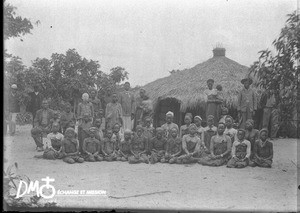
x: 210, y: 117
x: 159, y: 129
x: 250, y: 121
x: 175, y: 128
x: 192, y: 126
x: 85, y: 95
x: 70, y: 130
x: 228, y: 116
x: 139, y: 127
x: 127, y: 131
x: 263, y: 130
x: 93, y: 129
x: 170, y: 114
x: 244, y: 131
x: 197, y: 116
x: 189, y: 115
x: 14, y: 86
x: 222, y: 123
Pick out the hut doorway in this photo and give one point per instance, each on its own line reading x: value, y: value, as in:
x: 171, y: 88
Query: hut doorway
x: 163, y: 106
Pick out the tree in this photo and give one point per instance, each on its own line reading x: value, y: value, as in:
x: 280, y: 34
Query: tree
x: 15, y: 26
x: 280, y: 72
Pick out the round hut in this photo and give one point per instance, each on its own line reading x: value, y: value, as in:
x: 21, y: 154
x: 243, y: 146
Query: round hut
x: 183, y: 91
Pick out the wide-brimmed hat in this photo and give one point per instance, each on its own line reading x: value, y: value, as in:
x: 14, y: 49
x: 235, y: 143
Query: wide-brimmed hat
x: 247, y: 79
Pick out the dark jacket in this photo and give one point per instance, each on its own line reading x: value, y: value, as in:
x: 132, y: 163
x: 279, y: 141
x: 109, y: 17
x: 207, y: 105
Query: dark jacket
x: 38, y: 118
x: 35, y: 102
x: 13, y: 103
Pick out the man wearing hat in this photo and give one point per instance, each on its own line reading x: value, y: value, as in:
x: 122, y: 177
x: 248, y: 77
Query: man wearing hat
x: 247, y: 102
x: 14, y: 109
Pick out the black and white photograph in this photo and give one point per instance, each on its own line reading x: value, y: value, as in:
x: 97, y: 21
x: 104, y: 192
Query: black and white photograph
x: 151, y: 105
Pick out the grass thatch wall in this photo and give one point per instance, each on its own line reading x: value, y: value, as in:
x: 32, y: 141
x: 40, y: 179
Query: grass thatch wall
x: 188, y: 85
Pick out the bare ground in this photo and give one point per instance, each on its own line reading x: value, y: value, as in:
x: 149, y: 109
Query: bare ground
x: 175, y: 187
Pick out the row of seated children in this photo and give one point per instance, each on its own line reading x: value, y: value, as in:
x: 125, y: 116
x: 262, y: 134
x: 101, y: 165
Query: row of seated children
x: 165, y: 145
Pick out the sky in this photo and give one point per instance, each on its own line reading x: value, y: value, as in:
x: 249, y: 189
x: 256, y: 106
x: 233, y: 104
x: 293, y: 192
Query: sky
x: 149, y: 38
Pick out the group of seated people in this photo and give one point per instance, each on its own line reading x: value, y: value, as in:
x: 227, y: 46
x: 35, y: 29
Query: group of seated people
x: 191, y: 143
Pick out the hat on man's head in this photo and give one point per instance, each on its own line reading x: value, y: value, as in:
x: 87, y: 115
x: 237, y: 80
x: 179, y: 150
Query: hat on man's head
x: 14, y: 86
x: 210, y: 80
x: 247, y: 79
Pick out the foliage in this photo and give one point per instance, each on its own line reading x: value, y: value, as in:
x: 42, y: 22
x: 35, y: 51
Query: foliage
x: 15, y: 26
x: 279, y: 72
x: 10, y: 182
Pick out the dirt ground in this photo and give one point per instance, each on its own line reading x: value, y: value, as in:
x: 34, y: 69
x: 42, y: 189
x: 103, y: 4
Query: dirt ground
x: 175, y: 187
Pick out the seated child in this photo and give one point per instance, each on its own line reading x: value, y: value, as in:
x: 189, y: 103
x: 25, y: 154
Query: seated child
x: 118, y: 135
x: 224, y: 113
x: 109, y: 147
x: 157, y: 146
x: 99, y: 133
x: 174, y: 147
x: 200, y: 130
x: 251, y: 135
x: 193, y: 147
x: 91, y: 147
x: 67, y: 118
x: 230, y: 131
x: 148, y: 129
x: 184, y: 128
x: 241, y: 150
x: 263, y: 151
x: 124, y: 146
x: 70, y: 148
x: 169, y: 124
x: 138, y: 147
x: 53, y: 143
x: 83, y: 130
x: 210, y: 130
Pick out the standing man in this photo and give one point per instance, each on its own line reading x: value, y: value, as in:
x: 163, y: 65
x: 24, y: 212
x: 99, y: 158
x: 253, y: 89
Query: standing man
x: 247, y: 102
x: 14, y: 109
x: 113, y: 113
x: 127, y: 103
x: 270, y: 114
x: 35, y: 103
x: 96, y: 104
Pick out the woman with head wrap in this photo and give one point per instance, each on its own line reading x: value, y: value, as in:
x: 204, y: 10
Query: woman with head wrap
x: 212, y: 107
x: 200, y: 129
x: 169, y: 124
x: 220, y: 148
x: 139, y: 108
x: 230, y: 131
x: 85, y: 108
x: 184, y: 128
x: 263, y: 151
x: 193, y: 148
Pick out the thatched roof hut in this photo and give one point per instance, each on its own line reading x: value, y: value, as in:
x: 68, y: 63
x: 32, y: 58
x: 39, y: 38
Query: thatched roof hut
x: 186, y: 87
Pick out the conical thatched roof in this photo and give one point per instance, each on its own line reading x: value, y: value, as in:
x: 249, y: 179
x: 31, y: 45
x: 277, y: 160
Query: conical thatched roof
x: 187, y: 86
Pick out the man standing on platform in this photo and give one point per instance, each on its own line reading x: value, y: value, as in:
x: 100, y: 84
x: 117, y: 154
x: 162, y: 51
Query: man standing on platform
x: 247, y: 102
x: 127, y: 103
x: 35, y: 104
